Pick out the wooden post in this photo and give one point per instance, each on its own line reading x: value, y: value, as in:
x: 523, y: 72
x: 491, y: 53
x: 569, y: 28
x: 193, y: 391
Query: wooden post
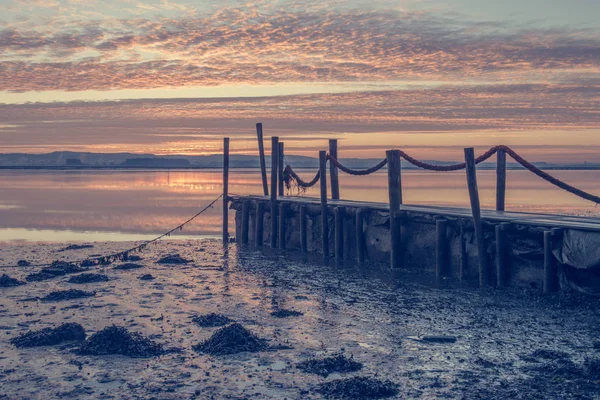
x: 282, y: 209
x: 476, y: 211
x: 464, y: 262
x: 261, y: 153
x: 440, y: 248
x: 360, y: 239
x: 259, y: 224
x: 245, y: 220
x: 339, y: 234
x: 501, y: 267
x: 324, y: 208
x: 395, y: 198
x: 225, y: 190
x: 500, y: 180
x: 550, y: 270
x: 281, y: 149
x: 333, y: 171
x: 274, y: 165
x: 303, y: 238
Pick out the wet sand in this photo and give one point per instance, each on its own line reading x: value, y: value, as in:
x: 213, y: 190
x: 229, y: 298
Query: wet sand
x: 509, y: 343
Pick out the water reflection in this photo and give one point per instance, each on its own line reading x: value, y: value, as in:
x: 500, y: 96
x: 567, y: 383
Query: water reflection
x: 134, y: 205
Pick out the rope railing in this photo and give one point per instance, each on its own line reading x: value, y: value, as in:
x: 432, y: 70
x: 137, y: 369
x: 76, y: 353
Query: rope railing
x: 123, y: 255
x: 357, y: 172
x: 290, y: 176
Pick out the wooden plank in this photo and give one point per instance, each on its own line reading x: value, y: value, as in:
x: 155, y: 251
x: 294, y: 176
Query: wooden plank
x: 333, y: 171
x: 274, y: 166
x: 441, y: 259
x: 280, y: 168
x: 476, y: 212
x: 324, y: 207
x: 550, y: 268
x: 282, y: 208
x: 225, y: 190
x: 500, y: 180
x: 339, y: 234
x: 245, y: 220
x: 360, y: 237
x: 259, y: 224
x: 395, y: 198
x: 261, y: 153
x: 303, y: 230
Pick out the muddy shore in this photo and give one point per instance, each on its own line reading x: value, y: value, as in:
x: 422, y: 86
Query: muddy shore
x: 511, y: 343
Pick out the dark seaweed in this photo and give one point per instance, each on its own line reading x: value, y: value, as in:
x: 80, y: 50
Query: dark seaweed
x: 7, y: 281
x: 128, y: 266
x: 50, y: 336
x: 70, y: 294
x: 146, y: 277
x: 230, y: 340
x: 283, y: 313
x: 23, y: 263
x: 173, y: 259
x: 39, y: 276
x: 77, y: 247
x: 357, y: 388
x: 211, y: 320
x: 57, y: 268
x: 118, y: 340
x: 338, y: 363
x: 88, y: 278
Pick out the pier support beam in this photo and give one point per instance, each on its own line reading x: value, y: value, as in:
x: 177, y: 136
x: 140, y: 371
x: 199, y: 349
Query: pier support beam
x: 395, y: 198
x: 274, y: 167
x: 476, y: 211
x: 333, y: 171
x: 261, y: 153
x: 500, y: 180
x: 324, y: 208
x: 464, y: 262
x: 550, y: 269
x: 441, y: 249
x: 226, y: 190
x: 282, y: 208
x: 245, y: 221
x: 280, y: 168
x: 360, y: 237
x: 339, y: 234
x: 303, y: 237
x: 501, y: 255
x: 259, y: 224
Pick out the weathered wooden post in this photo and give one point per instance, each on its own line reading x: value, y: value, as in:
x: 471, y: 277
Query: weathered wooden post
x: 339, y: 234
x: 360, y: 239
x: 464, y: 262
x: 282, y: 208
x: 441, y: 248
x: 245, y: 220
x: 274, y: 165
x: 225, y: 190
x: 395, y: 198
x: 550, y: 270
x: 500, y: 180
x: 333, y: 171
x: 476, y: 211
x: 303, y: 238
x: 501, y: 262
x: 280, y: 168
x: 324, y: 208
x: 259, y: 224
x: 261, y: 153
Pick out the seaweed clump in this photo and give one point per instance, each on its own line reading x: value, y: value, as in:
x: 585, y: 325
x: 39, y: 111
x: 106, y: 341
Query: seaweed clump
x: 118, y: 340
x: 23, y: 263
x: 173, y: 259
x: 283, y: 313
x: 50, y: 336
x: 71, y: 294
x: 357, y: 388
x: 338, y: 363
x: 57, y: 268
x: 146, y: 277
x: 88, y: 278
x: 7, y: 281
x: 128, y: 266
x: 231, y: 339
x: 211, y: 320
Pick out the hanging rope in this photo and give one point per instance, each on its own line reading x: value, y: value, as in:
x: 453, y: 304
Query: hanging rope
x: 357, y: 172
x: 291, y: 178
x: 452, y: 167
x: 123, y: 255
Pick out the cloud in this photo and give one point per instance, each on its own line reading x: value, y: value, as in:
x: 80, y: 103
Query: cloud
x: 259, y: 44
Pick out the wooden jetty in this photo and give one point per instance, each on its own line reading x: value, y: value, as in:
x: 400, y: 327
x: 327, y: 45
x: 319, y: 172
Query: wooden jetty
x: 494, y: 247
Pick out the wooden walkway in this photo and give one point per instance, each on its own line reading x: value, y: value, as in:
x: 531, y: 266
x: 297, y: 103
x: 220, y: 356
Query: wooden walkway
x: 522, y: 218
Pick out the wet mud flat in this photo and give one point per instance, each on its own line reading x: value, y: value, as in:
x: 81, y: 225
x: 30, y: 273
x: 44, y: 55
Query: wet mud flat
x: 200, y: 332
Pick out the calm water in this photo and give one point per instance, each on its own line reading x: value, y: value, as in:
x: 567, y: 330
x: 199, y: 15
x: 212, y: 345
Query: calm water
x: 137, y: 205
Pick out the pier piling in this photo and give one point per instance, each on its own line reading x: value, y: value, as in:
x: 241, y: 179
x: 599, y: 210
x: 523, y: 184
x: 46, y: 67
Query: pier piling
x: 274, y: 167
x: 500, y: 180
x: 441, y: 249
x: 303, y: 237
x: 395, y: 198
x: 550, y: 270
x: 360, y: 237
x: 282, y: 209
x: 245, y: 220
x: 476, y: 211
x: 324, y: 208
x: 333, y: 170
x: 339, y: 234
x: 280, y: 168
x: 261, y: 153
x: 259, y: 224
x: 225, y: 190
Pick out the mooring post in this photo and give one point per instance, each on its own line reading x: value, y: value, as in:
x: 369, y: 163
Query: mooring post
x: 476, y: 211
x: 245, y: 220
x: 261, y: 153
x: 500, y: 180
x: 225, y: 190
x: 360, y: 239
x: 274, y: 166
x: 303, y: 237
x: 395, y: 198
x: 464, y: 262
x: 501, y: 267
x: 324, y: 208
x: 259, y: 224
x: 550, y: 270
x: 339, y: 234
x: 333, y: 171
x: 282, y: 208
x: 440, y: 248
x: 280, y: 168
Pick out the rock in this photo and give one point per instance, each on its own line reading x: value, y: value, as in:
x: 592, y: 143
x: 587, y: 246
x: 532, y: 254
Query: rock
x: 146, y: 277
x: 591, y: 367
x: 211, y: 320
x: 77, y: 247
x: 338, y: 363
x: 128, y: 266
x: 39, y: 276
x: 230, y: 340
x: 57, y: 268
x: 7, y: 281
x: 50, y: 336
x: 283, y: 313
x: 88, y: 263
x: 173, y: 259
x: 88, y: 278
x: 118, y: 340
x: 23, y: 263
x: 70, y: 294
x: 357, y: 388
x: 132, y: 258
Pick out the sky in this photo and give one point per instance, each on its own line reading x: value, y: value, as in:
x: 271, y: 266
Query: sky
x: 175, y: 77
